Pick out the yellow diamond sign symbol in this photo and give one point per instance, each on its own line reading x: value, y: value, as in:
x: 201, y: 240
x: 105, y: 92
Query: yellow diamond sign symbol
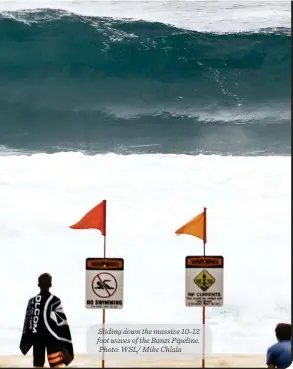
x: 204, y: 280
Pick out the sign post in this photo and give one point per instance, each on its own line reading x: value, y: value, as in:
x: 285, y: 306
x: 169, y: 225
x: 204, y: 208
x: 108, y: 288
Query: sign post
x: 199, y: 278
x: 204, y: 285
x: 104, y: 286
x: 104, y: 276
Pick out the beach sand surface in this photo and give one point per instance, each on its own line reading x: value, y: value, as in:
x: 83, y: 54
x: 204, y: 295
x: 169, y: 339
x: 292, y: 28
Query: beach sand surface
x: 213, y: 361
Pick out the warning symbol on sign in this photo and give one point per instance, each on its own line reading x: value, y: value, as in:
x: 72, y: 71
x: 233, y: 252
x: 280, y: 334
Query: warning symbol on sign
x: 204, y: 280
x: 104, y: 285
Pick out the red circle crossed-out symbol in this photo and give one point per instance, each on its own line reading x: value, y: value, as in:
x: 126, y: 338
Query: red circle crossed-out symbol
x: 104, y: 285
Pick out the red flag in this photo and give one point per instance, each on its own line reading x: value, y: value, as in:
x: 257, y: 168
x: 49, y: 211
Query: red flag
x: 94, y: 219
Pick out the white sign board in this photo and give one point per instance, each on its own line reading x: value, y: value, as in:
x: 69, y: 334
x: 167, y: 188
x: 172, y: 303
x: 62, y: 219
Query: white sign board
x: 204, y: 281
x: 104, y: 283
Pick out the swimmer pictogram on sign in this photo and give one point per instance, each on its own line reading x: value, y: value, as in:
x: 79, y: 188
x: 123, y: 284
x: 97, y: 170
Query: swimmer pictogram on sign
x: 104, y: 285
x: 204, y: 280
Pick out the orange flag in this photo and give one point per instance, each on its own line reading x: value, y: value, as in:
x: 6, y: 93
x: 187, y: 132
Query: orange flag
x: 94, y: 219
x: 195, y: 227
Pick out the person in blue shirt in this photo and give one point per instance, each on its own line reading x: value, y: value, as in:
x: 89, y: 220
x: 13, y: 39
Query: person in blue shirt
x: 279, y: 355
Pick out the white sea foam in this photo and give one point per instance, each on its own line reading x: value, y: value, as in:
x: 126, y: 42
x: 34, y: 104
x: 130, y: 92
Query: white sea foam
x: 220, y: 16
x: 149, y: 197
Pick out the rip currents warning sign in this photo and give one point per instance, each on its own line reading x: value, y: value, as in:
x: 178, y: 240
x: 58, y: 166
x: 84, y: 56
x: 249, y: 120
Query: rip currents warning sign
x: 204, y: 281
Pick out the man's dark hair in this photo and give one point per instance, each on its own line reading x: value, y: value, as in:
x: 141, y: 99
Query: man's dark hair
x: 45, y: 281
x: 283, y: 332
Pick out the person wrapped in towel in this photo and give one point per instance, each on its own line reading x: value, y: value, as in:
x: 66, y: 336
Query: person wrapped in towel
x: 46, y: 327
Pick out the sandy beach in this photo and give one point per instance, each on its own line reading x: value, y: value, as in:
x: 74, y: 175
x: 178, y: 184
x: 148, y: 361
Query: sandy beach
x: 213, y: 361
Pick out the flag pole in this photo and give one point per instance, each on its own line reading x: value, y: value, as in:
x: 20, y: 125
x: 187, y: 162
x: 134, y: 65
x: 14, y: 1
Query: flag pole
x: 204, y: 308
x: 104, y: 311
